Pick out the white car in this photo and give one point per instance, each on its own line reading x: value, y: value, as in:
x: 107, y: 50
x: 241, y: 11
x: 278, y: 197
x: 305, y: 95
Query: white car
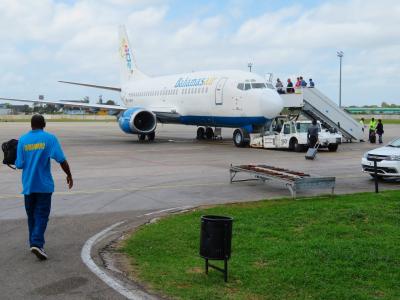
x: 388, y: 160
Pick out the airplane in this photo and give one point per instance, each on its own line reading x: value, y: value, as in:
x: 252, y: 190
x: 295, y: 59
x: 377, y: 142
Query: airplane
x: 207, y: 99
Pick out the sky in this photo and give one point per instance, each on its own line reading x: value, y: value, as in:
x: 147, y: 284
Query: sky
x: 44, y: 41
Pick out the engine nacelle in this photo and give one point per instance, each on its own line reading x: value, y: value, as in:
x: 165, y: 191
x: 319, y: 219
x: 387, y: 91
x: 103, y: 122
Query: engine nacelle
x: 137, y: 120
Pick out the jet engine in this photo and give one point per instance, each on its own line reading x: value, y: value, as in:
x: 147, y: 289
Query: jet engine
x: 137, y: 120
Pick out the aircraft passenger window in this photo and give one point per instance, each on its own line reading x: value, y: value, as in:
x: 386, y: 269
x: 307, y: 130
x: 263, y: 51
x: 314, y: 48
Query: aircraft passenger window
x: 240, y: 86
x: 247, y: 86
x: 258, y: 85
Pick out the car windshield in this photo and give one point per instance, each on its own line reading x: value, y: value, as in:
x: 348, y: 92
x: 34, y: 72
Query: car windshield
x: 395, y: 143
x: 303, y: 127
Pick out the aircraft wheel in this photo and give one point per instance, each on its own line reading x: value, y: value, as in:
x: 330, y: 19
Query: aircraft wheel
x: 333, y: 147
x: 239, y: 138
x: 142, y: 137
x: 151, y: 136
x: 200, y: 133
x: 294, y: 145
x: 209, y: 133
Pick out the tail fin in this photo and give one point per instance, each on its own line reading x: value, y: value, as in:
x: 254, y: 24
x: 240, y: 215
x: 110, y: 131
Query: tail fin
x: 128, y: 67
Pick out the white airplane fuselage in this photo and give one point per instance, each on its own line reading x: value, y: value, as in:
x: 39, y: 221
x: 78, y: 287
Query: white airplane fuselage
x: 210, y: 98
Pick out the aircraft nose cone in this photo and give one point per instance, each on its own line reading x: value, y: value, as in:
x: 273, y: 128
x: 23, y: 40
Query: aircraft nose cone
x: 271, y: 104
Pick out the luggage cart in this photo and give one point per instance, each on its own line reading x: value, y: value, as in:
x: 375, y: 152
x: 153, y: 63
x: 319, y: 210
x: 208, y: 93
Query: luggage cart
x: 293, y: 180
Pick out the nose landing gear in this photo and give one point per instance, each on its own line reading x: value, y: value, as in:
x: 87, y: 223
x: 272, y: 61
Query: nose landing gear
x: 241, y: 138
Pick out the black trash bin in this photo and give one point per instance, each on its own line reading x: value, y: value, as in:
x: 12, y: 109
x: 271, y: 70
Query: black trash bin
x: 215, y: 241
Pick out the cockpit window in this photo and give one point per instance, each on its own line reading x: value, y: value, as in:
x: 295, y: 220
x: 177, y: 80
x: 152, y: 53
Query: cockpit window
x: 258, y: 85
x: 253, y: 85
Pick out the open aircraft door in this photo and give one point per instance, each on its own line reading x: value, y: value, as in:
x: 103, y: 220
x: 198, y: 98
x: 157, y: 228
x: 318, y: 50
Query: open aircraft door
x: 219, y: 91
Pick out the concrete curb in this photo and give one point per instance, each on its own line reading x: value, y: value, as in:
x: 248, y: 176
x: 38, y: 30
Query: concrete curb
x: 95, y: 254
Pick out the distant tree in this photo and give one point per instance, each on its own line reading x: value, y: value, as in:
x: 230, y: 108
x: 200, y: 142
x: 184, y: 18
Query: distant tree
x: 50, y: 109
x: 384, y: 104
x: 110, y: 102
x: 27, y: 109
x: 86, y: 99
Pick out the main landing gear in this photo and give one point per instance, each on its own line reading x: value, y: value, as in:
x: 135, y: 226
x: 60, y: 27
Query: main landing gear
x: 150, y: 136
x: 205, y: 133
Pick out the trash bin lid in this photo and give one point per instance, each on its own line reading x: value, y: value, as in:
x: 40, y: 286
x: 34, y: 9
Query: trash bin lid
x: 216, y: 218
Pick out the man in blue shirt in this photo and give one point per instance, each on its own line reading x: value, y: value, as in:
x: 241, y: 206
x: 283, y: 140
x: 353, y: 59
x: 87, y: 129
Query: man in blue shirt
x: 35, y: 149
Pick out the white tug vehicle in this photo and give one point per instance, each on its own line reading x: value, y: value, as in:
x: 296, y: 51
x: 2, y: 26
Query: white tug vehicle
x: 285, y: 132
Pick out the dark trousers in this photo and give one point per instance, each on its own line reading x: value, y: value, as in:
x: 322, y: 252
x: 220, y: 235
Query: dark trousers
x: 37, y: 206
x: 380, y: 138
x: 312, y: 141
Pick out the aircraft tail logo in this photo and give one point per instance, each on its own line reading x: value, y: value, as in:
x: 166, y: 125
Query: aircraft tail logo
x: 129, y: 71
x: 125, y: 53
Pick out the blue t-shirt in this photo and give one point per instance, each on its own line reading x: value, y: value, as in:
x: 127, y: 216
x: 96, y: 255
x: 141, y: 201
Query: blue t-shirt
x: 33, y: 156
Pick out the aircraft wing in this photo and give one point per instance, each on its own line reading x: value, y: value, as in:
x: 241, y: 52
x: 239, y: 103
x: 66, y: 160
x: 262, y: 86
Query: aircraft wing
x: 69, y: 103
x: 93, y: 85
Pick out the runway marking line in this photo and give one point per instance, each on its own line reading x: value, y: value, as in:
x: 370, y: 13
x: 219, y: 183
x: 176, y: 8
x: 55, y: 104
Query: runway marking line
x: 147, y: 188
x: 144, y: 188
x: 88, y: 261
x: 112, y: 282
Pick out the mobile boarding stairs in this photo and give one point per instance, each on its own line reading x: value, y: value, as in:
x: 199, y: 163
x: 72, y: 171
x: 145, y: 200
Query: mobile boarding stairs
x: 315, y: 105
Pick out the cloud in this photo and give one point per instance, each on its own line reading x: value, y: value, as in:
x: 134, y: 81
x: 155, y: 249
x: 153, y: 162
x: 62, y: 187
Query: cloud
x: 78, y: 41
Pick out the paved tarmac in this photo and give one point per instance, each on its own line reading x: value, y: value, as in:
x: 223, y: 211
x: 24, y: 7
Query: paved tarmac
x: 117, y: 178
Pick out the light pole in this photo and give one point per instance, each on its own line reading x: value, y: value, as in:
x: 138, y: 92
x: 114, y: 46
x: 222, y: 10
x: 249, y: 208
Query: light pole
x: 340, y: 55
x: 250, y: 65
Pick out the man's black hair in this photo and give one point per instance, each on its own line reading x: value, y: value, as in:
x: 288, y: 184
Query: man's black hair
x: 38, y: 122
x: 314, y: 122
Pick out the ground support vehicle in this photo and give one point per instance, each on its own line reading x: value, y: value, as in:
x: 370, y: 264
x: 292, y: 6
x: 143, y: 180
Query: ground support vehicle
x: 290, y: 133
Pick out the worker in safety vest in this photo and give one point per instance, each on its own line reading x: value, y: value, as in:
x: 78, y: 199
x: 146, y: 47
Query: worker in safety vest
x: 372, y: 128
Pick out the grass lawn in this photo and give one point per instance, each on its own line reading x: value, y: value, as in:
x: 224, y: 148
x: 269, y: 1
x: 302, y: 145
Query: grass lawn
x: 346, y: 247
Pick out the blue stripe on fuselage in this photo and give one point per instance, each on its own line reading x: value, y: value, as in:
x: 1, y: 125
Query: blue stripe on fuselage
x: 234, y: 122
